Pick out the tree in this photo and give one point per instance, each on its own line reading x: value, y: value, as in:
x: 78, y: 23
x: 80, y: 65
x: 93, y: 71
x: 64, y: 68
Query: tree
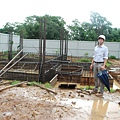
x: 89, y: 33
x: 55, y: 24
x: 100, y: 24
x: 30, y: 28
x: 53, y: 27
x: 8, y: 28
x: 75, y: 30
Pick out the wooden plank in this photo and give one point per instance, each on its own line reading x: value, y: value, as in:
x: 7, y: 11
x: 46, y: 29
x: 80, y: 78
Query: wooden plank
x: 54, y: 80
x: 49, y: 90
x: 10, y: 86
x: 3, y: 83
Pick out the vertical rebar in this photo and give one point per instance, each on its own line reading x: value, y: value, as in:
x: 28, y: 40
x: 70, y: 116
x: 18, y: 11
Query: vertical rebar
x: 66, y: 43
x: 40, y: 42
x: 40, y: 51
x: 10, y: 46
x: 60, y: 40
x: 21, y: 44
x: 44, y: 42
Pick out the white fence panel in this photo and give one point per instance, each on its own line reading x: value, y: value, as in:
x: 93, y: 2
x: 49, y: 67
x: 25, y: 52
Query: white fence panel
x: 4, y: 38
x: 75, y: 48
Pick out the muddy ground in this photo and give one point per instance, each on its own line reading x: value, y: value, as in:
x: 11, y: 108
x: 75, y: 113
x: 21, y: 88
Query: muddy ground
x: 34, y: 103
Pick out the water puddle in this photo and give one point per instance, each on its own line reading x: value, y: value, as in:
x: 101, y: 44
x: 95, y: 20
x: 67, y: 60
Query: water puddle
x: 95, y: 109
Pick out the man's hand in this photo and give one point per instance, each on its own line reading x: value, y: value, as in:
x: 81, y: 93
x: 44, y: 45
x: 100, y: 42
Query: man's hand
x: 91, y: 66
x: 102, y: 67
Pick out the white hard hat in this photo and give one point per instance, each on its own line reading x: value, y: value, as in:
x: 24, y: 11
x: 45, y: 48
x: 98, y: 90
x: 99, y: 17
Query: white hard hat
x: 101, y: 36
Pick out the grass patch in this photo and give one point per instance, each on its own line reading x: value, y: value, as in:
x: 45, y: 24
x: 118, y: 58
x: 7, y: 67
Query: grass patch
x: 92, y: 87
x: 108, y: 64
x: 112, y: 57
x: 47, y: 85
x: 111, y: 90
x: 87, y: 87
x: 15, y: 82
x: 84, y: 60
x: 32, y: 83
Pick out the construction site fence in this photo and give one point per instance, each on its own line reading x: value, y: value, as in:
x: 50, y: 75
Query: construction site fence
x: 75, y: 48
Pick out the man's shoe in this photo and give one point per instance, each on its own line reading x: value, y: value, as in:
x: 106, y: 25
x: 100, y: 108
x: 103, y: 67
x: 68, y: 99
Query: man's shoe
x: 99, y: 95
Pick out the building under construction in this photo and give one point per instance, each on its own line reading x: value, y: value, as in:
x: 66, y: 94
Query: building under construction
x: 45, y: 68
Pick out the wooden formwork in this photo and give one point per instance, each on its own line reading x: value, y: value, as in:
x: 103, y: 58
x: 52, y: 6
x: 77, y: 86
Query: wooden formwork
x: 115, y: 75
x: 70, y: 73
x: 80, y: 75
x: 87, y: 78
x: 21, y: 75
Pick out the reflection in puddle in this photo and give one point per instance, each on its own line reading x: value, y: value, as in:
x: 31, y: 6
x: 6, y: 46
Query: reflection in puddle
x: 99, y: 110
x: 95, y: 110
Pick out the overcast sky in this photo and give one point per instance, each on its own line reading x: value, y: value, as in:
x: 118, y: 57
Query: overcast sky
x: 17, y: 10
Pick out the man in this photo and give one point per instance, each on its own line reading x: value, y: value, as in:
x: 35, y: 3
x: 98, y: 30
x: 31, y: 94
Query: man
x: 98, y: 63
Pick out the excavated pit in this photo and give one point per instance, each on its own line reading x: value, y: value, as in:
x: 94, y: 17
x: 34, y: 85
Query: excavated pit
x: 67, y: 86
x: 68, y: 74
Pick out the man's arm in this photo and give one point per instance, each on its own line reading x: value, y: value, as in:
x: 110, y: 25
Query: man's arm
x: 105, y: 58
x: 103, y: 66
x: 91, y: 66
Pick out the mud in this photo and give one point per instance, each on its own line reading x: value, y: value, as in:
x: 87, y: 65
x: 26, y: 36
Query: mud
x: 34, y: 103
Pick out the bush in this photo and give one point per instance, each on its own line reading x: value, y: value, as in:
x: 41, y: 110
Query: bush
x: 47, y: 85
x: 108, y: 64
x: 84, y: 60
x: 112, y: 57
x: 15, y: 82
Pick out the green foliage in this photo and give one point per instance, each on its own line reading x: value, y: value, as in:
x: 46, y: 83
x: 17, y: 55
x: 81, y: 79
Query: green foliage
x: 84, y: 60
x: 57, y: 52
x: 108, y: 64
x: 111, y: 90
x: 47, y: 85
x: 86, y: 54
x: 32, y: 83
x: 5, y: 52
x: 15, y: 82
x: 112, y: 57
x: 100, y: 24
x: 54, y: 24
x: 88, y: 87
x: 11, y: 42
